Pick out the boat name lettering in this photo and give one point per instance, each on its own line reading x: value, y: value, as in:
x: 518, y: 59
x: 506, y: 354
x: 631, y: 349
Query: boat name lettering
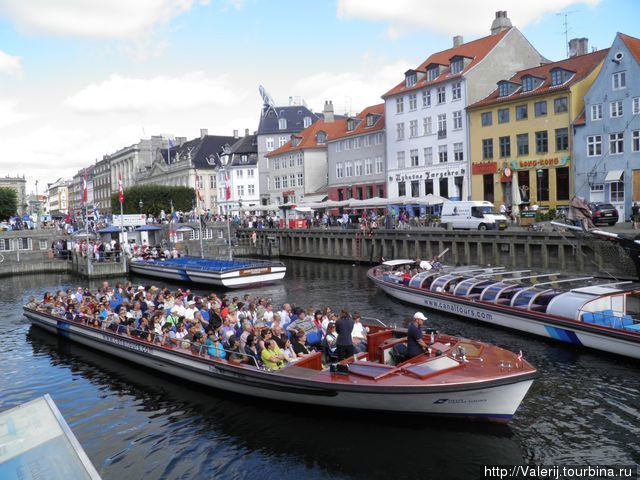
x: 126, y: 344
x: 440, y: 401
x: 458, y: 309
x: 255, y: 271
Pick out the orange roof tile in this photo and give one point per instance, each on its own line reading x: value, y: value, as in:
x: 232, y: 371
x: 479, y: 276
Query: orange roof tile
x: 581, y: 120
x: 633, y: 44
x: 475, y: 50
x: 333, y: 130
x: 582, y: 65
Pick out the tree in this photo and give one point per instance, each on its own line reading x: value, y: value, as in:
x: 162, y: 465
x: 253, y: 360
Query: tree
x: 8, y: 203
x: 154, y: 198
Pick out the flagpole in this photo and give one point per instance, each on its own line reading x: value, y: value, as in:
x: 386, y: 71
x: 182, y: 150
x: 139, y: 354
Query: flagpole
x: 198, y: 186
x: 122, y: 239
x: 86, y: 223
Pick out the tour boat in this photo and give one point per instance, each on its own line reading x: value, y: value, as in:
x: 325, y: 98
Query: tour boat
x: 224, y: 273
x: 455, y: 376
x: 579, y: 310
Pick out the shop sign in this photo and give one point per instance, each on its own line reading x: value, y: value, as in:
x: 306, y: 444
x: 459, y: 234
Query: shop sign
x: 484, y: 168
x: 428, y: 175
x: 540, y: 163
x: 288, y: 193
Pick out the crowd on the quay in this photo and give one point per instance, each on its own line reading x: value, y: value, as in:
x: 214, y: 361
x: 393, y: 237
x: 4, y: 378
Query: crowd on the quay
x: 105, y: 250
x: 241, y: 330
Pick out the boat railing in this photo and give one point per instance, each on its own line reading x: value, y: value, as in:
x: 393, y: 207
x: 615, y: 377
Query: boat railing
x: 375, y: 320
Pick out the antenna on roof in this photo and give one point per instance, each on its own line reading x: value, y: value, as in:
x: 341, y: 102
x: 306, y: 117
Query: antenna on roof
x: 566, y: 30
x: 267, y: 100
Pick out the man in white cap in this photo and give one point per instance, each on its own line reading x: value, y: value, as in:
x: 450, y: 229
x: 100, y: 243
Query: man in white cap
x: 415, y: 344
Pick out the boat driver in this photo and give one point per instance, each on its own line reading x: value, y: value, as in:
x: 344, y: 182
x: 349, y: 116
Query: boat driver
x: 415, y: 344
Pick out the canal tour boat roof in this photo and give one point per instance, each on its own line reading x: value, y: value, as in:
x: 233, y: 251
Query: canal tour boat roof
x: 210, y: 265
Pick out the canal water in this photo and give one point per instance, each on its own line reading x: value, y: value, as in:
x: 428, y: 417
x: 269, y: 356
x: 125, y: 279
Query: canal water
x: 133, y: 423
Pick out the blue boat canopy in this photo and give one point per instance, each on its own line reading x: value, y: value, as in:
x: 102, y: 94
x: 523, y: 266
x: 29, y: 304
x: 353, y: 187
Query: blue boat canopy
x: 147, y: 228
x: 110, y: 229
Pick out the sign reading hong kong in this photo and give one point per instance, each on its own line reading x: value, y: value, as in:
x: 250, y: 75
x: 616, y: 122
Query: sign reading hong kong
x: 540, y: 163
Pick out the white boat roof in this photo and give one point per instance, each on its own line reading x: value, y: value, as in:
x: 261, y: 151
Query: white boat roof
x: 597, y: 290
x: 393, y: 263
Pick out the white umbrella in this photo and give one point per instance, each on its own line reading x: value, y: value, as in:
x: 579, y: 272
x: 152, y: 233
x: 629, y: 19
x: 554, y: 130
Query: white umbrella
x: 515, y: 193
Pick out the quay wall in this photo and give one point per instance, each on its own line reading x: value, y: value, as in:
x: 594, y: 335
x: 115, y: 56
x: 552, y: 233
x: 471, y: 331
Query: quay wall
x: 540, y: 251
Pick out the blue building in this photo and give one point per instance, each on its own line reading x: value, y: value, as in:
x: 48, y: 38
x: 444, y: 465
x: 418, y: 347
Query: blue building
x: 606, y: 147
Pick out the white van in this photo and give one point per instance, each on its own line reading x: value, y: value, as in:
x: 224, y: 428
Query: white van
x: 472, y: 215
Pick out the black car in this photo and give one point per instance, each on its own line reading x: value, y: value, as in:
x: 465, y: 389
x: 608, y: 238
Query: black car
x: 604, y: 213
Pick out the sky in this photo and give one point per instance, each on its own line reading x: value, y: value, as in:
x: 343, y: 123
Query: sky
x: 83, y: 78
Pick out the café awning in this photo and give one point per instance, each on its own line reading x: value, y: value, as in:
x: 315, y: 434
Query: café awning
x: 614, y: 176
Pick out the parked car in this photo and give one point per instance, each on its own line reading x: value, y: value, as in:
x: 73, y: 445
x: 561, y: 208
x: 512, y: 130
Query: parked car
x: 604, y: 213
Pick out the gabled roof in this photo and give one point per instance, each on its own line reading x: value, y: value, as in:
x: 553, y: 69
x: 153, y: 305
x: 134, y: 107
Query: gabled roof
x: 293, y: 114
x: 199, y: 149
x: 581, y: 66
x: 248, y: 146
x: 633, y: 44
x: 334, y: 130
x: 475, y: 50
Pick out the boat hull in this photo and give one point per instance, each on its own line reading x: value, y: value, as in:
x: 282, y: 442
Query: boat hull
x: 568, y: 331
x: 494, y: 401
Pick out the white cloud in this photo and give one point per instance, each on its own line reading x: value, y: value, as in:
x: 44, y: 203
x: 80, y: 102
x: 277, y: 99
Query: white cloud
x: 125, y: 94
x: 93, y: 18
x: 9, y: 115
x: 452, y: 17
x: 351, y: 91
x: 10, y: 64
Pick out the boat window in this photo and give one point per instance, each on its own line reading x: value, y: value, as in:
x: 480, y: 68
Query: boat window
x: 524, y: 297
x: 439, y: 284
x: 464, y: 287
x: 492, y: 292
x: 417, y: 280
x: 479, y: 287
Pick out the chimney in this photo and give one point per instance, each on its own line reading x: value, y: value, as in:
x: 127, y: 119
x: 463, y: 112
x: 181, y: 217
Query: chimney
x: 500, y: 23
x: 457, y: 41
x: 235, y: 134
x: 578, y: 46
x: 203, y: 132
x: 246, y: 132
x: 328, y: 111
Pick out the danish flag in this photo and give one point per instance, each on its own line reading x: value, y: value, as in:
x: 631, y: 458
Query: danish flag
x: 120, y: 191
x: 84, y: 187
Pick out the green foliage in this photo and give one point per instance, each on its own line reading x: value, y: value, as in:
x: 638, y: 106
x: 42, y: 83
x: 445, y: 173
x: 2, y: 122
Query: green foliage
x: 154, y: 198
x: 8, y: 202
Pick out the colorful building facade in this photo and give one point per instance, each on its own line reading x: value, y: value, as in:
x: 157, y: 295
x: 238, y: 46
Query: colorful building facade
x: 520, y: 135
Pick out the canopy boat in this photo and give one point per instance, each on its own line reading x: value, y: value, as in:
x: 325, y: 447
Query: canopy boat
x: 454, y: 377
x: 225, y: 273
x: 578, y: 310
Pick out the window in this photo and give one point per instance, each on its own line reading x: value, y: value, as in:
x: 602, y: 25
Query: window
x: 457, y: 66
x: 542, y: 142
x: 523, y: 143
x: 444, y: 187
x: 616, y: 143
x: 413, y: 128
x: 426, y: 98
x: 269, y: 143
x: 415, y: 160
x: 635, y: 141
x: 240, y: 190
x: 540, y: 108
x: 527, y: 84
x: 503, y: 115
x: 542, y: 185
x: 367, y: 140
x: 379, y: 165
x: 457, y: 120
x: 300, y: 159
x: 402, y: 189
x: 426, y: 125
x: 348, y: 166
x: 251, y: 190
x: 442, y: 96
x: 428, y: 155
x: 399, y: 104
x: 321, y: 137
x: 194, y: 235
x: 615, y: 109
x: 619, y: 80
x: 503, y: 89
x: 291, y: 161
x: 358, y: 164
x: 282, y: 124
x: 505, y: 147
x: 43, y: 245
x: 433, y: 73
x: 560, y: 105
x: 635, y: 106
x: 285, y: 182
x: 276, y: 164
x: 486, y: 119
x: 596, y: 112
x: 300, y: 180
x: 400, y: 131
x: 617, y: 191
x: 562, y: 139
x: 306, y: 122
x: 456, y: 90
x: 521, y: 112
x: 556, y: 77
x: 368, y: 167
x: 487, y: 184
x: 562, y: 183
x: 487, y: 149
x: 212, y: 181
x: 442, y: 125
x: 428, y: 187
x: 594, y: 145
x: 370, y: 120
x: 597, y: 187
x: 413, y: 103
x: 458, y: 154
x: 5, y: 245
x: 400, y: 157
x: 442, y: 153
x: 339, y: 170
x: 411, y: 80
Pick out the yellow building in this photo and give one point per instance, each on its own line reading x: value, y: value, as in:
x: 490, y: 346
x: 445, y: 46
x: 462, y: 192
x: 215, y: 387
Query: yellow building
x: 522, y: 133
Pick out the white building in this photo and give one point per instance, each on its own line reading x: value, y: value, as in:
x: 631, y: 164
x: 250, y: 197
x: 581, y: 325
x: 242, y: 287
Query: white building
x: 239, y: 181
x: 425, y: 118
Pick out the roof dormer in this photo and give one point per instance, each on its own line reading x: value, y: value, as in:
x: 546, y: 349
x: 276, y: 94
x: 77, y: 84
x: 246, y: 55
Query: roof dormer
x: 410, y: 78
x: 371, y: 119
x: 507, y: 87
x: 352, y: 123
x: 433, y: 71
x: 458, y: 63
x: 531, y: 82
x: 560, y: 76
x: 321, y: 137
x: 295, y: 140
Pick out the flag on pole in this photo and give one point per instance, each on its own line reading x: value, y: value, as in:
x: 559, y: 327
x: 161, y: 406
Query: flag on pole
x: 120, y: 190
x: 198, y: 188
x: 84, y: 187
x: 68, y: 219
x: 227, y: 188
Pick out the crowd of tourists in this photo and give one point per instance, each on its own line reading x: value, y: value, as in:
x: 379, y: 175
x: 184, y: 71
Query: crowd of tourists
x: 242, y: 330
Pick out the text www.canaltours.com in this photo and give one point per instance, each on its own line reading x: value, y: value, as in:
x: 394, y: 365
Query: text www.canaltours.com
x: 558, y: 472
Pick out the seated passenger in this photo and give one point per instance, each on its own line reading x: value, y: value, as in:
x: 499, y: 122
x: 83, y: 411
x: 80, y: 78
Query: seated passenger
x: 330, y: 344
x: 271, y: 356
x: 251, y: 349
x: 359, y: 334
x: 234, y: 355
x: 214, y: 347
x: 299, y: 344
